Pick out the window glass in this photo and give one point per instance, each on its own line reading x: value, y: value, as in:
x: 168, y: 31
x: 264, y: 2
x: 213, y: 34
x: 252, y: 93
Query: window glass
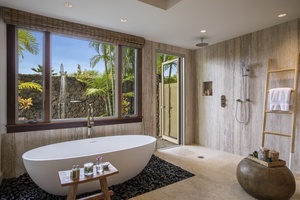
x: 129, y: 62
x: 83, y: 74
x: 30, y: 75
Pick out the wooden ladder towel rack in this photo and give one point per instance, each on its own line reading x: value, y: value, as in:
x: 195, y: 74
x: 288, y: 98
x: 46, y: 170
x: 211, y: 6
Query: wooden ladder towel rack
x: 292, y: 112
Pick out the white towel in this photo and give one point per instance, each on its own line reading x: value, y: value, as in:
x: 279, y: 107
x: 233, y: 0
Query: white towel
x: 280, y: 99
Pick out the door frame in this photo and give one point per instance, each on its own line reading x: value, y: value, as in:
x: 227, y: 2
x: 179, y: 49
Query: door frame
x: 162, y: 106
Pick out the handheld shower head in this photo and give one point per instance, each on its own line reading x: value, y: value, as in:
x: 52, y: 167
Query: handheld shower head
x: 242, y: 65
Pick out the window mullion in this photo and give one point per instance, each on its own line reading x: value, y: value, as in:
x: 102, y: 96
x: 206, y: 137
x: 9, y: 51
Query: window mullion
x: 139, y: 82
x: 47, y: 78
x: 119, y: 82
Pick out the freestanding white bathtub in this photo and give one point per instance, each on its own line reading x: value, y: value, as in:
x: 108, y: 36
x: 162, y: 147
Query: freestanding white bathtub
x: 128, y: 153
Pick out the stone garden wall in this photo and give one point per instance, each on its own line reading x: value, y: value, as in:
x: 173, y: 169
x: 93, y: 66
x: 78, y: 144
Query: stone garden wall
x: 76, y: 101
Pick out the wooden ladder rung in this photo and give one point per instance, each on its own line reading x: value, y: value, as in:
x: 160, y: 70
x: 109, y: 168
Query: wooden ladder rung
x: 281, y: 70
x: 293, y: 90
x: 277, y: 133
x: 279, y: 112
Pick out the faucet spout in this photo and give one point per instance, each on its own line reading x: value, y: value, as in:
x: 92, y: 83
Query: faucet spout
x: 90, y: 120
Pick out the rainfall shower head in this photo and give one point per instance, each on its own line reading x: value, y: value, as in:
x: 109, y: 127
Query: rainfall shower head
x: 202, y: 44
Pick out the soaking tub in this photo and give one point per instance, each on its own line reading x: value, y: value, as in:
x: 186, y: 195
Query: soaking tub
x: 128, y: 153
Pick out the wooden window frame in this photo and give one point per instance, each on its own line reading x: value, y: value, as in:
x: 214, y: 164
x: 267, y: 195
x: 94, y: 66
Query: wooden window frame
x: 12, y: 126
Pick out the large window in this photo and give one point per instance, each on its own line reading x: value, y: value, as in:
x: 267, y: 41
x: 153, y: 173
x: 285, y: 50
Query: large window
x: 54, y: 78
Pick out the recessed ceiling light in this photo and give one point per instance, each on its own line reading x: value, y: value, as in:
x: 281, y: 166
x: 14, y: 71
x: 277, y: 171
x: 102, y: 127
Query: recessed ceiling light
x: 124, y: 20
x: 282, y: 15
x: 68, y: 5
x: 203, y: 31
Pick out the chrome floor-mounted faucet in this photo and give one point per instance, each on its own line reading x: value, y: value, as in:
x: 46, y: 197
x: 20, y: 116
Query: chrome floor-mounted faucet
x: 90, y: 120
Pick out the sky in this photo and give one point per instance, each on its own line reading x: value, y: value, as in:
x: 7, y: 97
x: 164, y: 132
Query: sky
x: 65, y: 50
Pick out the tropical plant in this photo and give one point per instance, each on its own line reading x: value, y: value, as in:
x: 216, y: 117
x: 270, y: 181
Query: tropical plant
x: 29, y: 85
x: 85, y: 74
x: 96, y: 86
x: 26, y: 41
x: 125, y: 105
x: 40, y: 70
x: 23, y: 103
x: 106, y: 53
x: 128, y: 78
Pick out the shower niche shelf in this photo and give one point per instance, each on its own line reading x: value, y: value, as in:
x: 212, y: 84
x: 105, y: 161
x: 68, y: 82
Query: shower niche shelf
x: 207, y: 88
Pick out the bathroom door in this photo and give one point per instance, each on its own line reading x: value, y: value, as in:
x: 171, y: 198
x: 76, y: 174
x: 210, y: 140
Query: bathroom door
x: 170, y: 104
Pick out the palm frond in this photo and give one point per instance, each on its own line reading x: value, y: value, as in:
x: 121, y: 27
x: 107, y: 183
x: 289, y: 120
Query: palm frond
x: 95, y: 91
x: 30, y: 85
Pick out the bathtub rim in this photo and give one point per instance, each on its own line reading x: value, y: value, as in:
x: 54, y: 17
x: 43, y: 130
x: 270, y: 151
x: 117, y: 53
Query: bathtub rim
x: 24, y: 157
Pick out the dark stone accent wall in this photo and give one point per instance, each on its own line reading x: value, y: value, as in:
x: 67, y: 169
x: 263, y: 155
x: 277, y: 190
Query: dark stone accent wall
x: 76, y: 103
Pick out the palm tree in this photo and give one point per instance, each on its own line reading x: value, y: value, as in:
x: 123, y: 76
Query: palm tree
x: 26, y: 41
x: 40, y: 70
x: 128, y: 75
x: 105, y: 52
x: 96, y: 85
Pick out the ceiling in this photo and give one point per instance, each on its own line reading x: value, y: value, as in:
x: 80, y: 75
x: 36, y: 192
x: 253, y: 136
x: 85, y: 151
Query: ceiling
x: 177, y: 22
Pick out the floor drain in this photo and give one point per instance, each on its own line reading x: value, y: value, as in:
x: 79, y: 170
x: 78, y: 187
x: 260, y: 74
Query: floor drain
x: 201, y: 157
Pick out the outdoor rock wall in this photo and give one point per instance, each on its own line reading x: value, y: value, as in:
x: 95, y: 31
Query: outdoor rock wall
x: 76, y: 101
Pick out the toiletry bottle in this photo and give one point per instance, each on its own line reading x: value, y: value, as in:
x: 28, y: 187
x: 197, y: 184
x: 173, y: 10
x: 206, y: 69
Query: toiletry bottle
x: 73, y: 172
x: 77, y: 171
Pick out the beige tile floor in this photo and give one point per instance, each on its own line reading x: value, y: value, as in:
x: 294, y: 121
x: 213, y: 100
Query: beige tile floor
x: 214, y: 176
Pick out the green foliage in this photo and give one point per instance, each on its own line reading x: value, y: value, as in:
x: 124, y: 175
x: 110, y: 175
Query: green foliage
x: 29, y: 85
x: 40, y: 70
x: 161, y: 58
x: 24, y: 104
x: 128, y: 62
x: 26, y: 41
x: 125, y: 105
x: 172, y: 79
x: 85, y: 74
x: 129, y: 94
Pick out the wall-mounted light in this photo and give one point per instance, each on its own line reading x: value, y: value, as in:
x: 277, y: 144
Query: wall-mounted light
x: 124, y: 20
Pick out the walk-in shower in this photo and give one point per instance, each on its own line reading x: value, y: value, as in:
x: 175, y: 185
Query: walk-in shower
x: 242, y: 104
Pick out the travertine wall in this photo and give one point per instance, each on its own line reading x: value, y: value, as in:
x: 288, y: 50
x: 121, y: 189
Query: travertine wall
x: 215, y: 126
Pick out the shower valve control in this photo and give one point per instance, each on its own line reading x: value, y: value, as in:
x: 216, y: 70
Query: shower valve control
x: 223, y: 101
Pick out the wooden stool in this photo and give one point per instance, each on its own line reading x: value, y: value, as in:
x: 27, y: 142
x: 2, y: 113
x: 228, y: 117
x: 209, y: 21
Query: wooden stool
x: 65, y: 180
